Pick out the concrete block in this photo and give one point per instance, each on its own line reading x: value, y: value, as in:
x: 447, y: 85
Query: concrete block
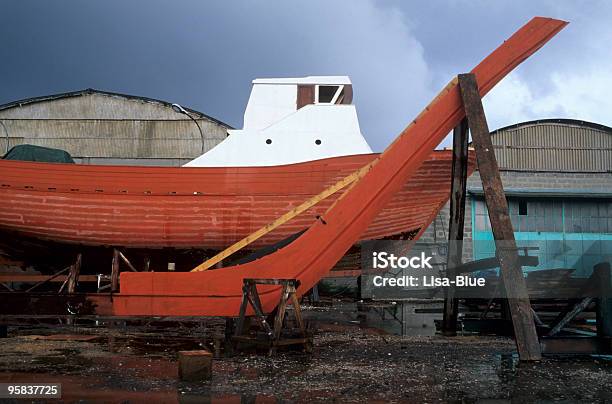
x: 195, y: 366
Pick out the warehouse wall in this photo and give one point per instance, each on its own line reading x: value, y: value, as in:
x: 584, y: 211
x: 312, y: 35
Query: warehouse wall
x: 545, y: 163
x: 105, y: 128
x: 554, y: 145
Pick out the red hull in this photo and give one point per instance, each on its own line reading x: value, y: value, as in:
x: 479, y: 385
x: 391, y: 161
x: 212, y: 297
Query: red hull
x: 156, y: 207
x: 314, y: 253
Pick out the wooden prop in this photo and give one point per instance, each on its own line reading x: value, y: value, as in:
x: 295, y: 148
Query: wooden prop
x: 525, y: 333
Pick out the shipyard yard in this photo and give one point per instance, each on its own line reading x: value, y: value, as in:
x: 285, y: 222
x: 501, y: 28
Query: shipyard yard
x: 350, y: 363
x: 436, y: 247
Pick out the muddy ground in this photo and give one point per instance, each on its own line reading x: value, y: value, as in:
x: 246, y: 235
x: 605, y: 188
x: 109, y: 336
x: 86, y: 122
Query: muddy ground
x: 350, y: 363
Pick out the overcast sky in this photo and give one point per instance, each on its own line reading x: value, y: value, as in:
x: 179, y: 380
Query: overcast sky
x: 204, y: 54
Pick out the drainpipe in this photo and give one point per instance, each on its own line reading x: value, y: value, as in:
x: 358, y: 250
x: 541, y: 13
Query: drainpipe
x: 7, y: 136
x: 177, y: 108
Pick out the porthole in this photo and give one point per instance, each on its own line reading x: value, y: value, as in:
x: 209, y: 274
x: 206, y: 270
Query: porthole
x: 268, y: 141
x: 318, y: 142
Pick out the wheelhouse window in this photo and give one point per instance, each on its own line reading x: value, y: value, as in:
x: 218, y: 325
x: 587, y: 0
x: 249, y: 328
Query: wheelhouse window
x: 324, y: 94
x: 340, y: 94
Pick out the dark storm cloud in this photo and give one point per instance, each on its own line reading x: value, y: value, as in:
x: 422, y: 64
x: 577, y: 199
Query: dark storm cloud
x: 204, y: 54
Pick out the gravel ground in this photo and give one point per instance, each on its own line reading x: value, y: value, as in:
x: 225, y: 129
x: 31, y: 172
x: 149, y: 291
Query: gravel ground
x: 349, y: 364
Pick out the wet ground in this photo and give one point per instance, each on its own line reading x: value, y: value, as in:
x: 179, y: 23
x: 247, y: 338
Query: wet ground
x: 350, y: 363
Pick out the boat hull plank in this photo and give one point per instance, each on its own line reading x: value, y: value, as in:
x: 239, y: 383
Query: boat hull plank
x: 78, y: 205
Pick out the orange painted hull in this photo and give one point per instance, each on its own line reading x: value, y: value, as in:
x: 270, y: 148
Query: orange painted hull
x: 314, y: 253
x: 155, y: 207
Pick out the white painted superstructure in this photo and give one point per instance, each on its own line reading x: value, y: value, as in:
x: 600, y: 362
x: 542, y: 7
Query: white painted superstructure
x: 292, y: 120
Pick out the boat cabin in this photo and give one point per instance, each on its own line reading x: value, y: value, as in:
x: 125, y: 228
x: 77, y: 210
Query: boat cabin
x: 292, y: 120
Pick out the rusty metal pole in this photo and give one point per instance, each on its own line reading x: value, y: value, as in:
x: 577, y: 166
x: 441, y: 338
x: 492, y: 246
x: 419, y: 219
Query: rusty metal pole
x: 456, y: 223
x: 526, y: 337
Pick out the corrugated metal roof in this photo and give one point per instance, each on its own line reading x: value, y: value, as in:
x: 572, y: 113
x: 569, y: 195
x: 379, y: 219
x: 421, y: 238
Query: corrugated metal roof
x: 90, y: 91
x: 554, y: 145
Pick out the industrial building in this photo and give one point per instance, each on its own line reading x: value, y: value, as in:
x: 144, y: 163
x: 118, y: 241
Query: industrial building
x: 99, y: 127
x: 557, y: 175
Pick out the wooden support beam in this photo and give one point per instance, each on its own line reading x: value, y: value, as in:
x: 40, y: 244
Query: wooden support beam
x: 242, y: 313
x: 115, y: 271
x: 7, y: 287
x: 22, y: 277
x: 284, y: 218
x: 516, y: 289
x: 280, y: 314
x: 298, y: 312
x: 603, y: 274
x: 275, y: 336
x: 73, y: 277
x: 569, y: 316
x: 127, y: 262
x: 537, y: 318
x: 253, y: 298
x: 587, y: 292
x: 577, y: 345
x: 456, y: 222
x: 48, y: 279
x: 64, y: 283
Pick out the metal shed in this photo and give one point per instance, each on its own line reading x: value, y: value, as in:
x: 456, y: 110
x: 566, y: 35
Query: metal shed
x: 99, y: 127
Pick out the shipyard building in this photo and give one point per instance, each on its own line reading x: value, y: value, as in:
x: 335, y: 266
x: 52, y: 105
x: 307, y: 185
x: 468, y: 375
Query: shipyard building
x: 557, y: 175
x: 98, y: 127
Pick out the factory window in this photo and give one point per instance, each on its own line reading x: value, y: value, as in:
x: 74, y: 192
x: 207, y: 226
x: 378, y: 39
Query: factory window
x: 552, y: 215
x: 588, y: 217
x: 522, y: 208
x: 527, y: 215
x: 566, y: 232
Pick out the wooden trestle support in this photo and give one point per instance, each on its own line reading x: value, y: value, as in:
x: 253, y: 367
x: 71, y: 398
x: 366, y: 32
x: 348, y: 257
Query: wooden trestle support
x: 275, y: 336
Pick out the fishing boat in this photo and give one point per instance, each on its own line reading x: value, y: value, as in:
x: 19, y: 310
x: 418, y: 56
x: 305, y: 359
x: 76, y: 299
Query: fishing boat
x: 313, y: 253
x: 300, y: 135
